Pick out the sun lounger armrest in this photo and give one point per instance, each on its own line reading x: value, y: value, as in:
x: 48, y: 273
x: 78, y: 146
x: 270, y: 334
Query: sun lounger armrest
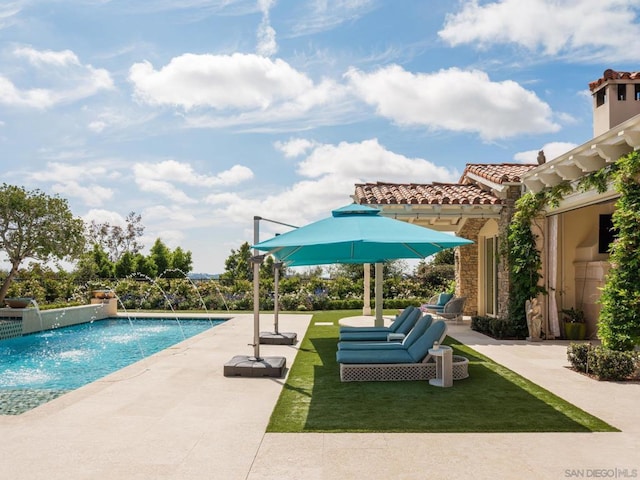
x: 395, y: 337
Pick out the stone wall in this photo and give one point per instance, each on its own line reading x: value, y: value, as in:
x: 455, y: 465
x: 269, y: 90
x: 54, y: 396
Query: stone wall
x: 504, y: 271
x: 467, y: 265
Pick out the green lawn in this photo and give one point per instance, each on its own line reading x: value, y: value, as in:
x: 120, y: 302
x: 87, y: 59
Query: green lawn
x: 492, y: 399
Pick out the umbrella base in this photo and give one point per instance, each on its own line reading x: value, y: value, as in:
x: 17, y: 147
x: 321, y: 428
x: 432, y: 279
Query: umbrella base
x: 280, y: 338
x: 246, y: 366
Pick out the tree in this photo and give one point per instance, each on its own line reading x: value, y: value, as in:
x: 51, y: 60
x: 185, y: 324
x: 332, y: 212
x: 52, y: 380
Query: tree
x: 444, y: 257
x: 35, y: 225
x: 161, y: 256
x: 126, y: 265
x: 145, y: 265
x: 237, y: 265
x: 117, y: 240
x: 181, y: 261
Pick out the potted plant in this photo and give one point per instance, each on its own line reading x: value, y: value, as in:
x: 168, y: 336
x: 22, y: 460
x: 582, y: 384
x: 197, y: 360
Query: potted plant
x: 575, y: 327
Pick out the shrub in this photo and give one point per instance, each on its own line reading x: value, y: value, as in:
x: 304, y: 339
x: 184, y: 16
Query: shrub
x: 578, y: 355
x: 604, y: 363
x: 496, y: 327
x: 608, y: 364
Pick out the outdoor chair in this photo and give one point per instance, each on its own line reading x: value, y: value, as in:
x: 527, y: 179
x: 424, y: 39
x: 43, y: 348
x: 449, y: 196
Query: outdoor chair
x: 416, y: 332
x: 381, y: 335
x: 390, y: 329
x: 453, y: 310
x: 414, y: 363
x: 437, y: 302
x: 416, y: 353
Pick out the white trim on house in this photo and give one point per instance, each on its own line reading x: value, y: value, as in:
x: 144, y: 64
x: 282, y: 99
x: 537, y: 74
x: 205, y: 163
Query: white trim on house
x: 586, y: 158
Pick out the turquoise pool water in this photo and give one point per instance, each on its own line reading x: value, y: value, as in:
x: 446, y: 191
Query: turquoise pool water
x: 39, y: 367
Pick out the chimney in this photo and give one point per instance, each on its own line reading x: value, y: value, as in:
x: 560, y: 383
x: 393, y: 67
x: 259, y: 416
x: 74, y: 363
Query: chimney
x: 616, y: 98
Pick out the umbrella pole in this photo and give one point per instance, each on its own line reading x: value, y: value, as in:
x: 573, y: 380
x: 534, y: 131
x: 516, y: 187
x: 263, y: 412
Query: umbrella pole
x: 276, y: 299
x: 256, y: 290
x: 379, y: 322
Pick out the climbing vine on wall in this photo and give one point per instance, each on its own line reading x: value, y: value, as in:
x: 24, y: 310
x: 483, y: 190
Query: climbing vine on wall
x: 619, y: 323
x: 524, y: 258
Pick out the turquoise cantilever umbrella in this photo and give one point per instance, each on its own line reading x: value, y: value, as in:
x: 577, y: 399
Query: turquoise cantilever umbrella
x: 356, y: 234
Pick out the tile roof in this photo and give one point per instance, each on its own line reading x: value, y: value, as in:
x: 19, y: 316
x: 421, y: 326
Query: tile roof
x: 497, y: 172
x: 613, y: 75
x: 420, y: 194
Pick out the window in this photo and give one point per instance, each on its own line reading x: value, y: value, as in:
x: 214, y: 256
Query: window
x: 490, y: 275
x: 601, y: 96
x: 636, y: 94
x: 606, y: 233
x: 622, y: 92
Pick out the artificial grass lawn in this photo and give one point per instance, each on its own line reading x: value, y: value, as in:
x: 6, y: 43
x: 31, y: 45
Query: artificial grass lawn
x: 492, y: 399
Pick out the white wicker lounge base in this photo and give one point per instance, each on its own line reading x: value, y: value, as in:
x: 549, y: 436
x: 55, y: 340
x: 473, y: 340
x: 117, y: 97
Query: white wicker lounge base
x: 390, y: 372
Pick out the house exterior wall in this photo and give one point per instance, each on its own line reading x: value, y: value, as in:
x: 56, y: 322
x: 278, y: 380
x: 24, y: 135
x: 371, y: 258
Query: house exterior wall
x: 467, y: 258
x: 582, y: 269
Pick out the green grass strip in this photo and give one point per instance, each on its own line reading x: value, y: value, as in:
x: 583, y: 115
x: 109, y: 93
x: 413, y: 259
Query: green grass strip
x: 492, y: 399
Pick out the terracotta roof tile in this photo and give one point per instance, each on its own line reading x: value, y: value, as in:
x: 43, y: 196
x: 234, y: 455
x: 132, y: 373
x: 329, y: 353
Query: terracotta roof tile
x: 613, y: 75
x: 497, y: 172
x: 420, y: 194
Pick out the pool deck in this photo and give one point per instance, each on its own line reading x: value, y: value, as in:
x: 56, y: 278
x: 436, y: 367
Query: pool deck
x: 175, y: 416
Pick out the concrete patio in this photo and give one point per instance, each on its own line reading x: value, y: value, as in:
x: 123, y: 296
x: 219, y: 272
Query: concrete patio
x: 175, y: 416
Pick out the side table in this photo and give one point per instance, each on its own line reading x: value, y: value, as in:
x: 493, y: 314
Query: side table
x: 444, y: 366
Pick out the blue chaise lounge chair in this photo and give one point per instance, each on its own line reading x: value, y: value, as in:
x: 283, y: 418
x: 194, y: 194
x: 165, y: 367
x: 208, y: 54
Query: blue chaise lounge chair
x: 402, y: 329
x: 416, y: 353
x: 416, y: 332
x: 394, y: 364
x: 390, y: 329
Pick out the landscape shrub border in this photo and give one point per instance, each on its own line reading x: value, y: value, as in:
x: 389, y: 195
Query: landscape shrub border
x: 602, y: 362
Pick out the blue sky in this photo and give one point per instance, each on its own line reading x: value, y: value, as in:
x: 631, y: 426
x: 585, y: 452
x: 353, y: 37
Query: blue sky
x: 200, y: 114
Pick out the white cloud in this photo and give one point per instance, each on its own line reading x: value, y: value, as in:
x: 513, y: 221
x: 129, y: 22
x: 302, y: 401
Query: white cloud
x: 104, y: 216
x: 454, y: 99
x: 9, y: 12
x: 328, y: 175
x: 294, y: 147
x: 77, y: 181
x: 241, y: 81
x: 173, y: 171
x: 90, y: 194
x: 267, y: 45
x: 66, y: 79
x: 325, y: 15
x: 551, y: 150
x: 585, y: 30
x: 161, y: 177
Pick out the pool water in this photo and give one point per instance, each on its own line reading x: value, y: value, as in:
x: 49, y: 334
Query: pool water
x: 39, y: 367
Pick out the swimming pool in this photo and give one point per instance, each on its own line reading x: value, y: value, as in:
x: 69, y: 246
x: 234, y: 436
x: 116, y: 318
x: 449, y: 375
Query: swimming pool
x: 37, y: 368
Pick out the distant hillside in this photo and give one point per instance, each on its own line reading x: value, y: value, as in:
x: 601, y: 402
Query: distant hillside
x: 204, y: 276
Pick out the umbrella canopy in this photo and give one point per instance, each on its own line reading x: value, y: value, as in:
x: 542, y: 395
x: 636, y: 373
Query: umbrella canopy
x: 356, y: 234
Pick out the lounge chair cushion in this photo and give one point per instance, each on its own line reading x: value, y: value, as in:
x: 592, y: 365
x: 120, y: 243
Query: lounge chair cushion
x: 396, y: 355
x: 421, y: 326
x: 420, y: 348
x: 401, y: 317
x: 379, y: 336
x: 416, y: 353
x: 443, y: 299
